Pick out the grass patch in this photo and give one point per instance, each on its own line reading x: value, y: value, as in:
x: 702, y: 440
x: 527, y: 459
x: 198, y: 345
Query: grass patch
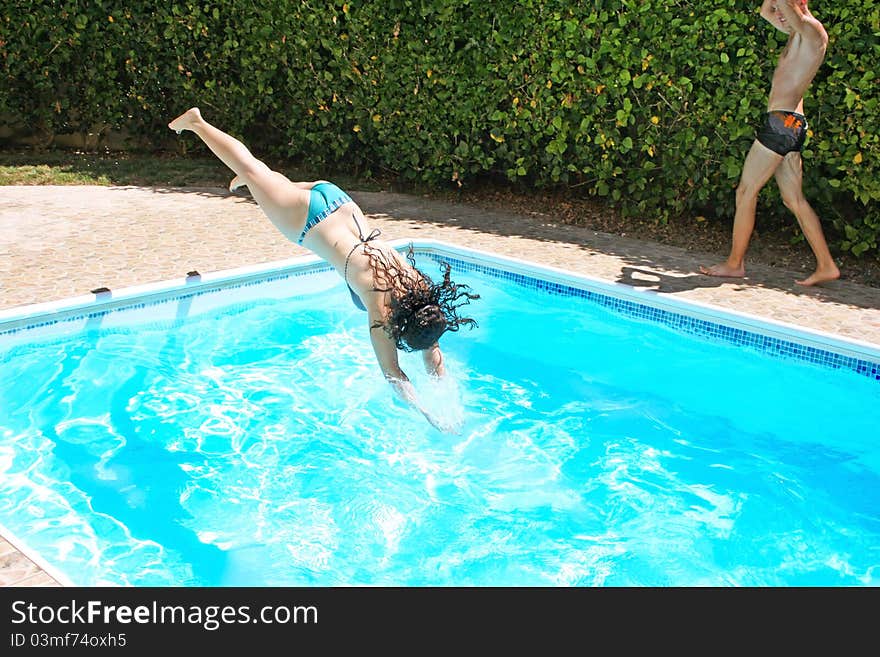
x: 79, y: 168
x: 61, y: 167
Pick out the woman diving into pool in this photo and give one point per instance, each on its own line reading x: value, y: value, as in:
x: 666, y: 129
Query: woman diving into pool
x: 409, y: 308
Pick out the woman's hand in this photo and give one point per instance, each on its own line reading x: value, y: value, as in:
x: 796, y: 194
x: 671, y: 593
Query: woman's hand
x: 442, y: 425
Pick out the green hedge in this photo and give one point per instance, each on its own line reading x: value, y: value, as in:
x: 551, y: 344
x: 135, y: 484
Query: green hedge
x: 651, y: 104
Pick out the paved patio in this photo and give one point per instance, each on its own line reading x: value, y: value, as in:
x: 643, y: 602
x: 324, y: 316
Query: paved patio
x: 58, y: 242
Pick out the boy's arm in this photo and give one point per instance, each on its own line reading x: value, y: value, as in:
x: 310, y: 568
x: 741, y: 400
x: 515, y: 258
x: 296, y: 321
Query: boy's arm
x: 768, y: 13
x: 800, y: 20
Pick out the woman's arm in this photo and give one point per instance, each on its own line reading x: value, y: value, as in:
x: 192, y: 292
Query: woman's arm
x: 386, y: 354
x: 433, y: 359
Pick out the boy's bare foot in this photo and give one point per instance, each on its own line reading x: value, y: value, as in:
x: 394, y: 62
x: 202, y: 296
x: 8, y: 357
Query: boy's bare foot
x: 186, y: 120
x: 724, y: 269
x: 822, y: 275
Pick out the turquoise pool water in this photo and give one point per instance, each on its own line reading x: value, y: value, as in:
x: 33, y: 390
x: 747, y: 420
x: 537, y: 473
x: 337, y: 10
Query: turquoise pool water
x: 256, y: 443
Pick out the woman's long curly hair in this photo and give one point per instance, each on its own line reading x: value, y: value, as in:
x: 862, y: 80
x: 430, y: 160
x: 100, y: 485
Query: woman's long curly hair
x: 421, y: 311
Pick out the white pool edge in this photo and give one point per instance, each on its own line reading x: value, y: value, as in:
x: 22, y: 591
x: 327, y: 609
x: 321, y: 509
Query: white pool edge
x: 25, y: 315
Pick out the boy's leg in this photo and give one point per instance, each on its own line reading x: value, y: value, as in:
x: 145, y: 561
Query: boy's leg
x: 760, y: 164
x: 789, y: 178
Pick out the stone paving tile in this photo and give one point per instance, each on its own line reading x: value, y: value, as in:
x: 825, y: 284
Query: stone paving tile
x: 40, y: 578
x: 18, y: 570
x: 58, y: 242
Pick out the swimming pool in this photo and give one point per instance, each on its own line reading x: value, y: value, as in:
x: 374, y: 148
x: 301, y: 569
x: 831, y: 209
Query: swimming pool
x: 234, y: 429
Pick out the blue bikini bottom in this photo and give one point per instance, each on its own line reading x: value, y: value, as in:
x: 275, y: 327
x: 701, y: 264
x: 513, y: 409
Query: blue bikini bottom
x: 325, y: 198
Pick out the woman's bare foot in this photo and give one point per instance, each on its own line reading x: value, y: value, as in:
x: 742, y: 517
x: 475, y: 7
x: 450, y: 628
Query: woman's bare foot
x: 830, y: 273
x: 235, y: 183
x: 724, y: 269
x: 186, y: 120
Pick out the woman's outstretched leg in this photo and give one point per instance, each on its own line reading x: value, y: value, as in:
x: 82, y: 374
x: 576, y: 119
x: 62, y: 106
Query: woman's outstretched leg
x: 230, y: 150
x: 275, y: 193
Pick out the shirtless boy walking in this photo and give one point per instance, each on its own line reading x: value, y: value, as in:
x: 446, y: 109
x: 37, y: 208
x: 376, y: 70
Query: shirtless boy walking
x: 776, y: 150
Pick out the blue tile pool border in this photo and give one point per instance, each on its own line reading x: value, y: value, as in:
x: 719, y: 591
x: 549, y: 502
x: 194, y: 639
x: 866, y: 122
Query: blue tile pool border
x: 766, y: 344
x: 678, y: 321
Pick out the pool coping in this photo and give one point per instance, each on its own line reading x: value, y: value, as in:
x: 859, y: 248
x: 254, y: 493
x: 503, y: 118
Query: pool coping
x: 32, y: 555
